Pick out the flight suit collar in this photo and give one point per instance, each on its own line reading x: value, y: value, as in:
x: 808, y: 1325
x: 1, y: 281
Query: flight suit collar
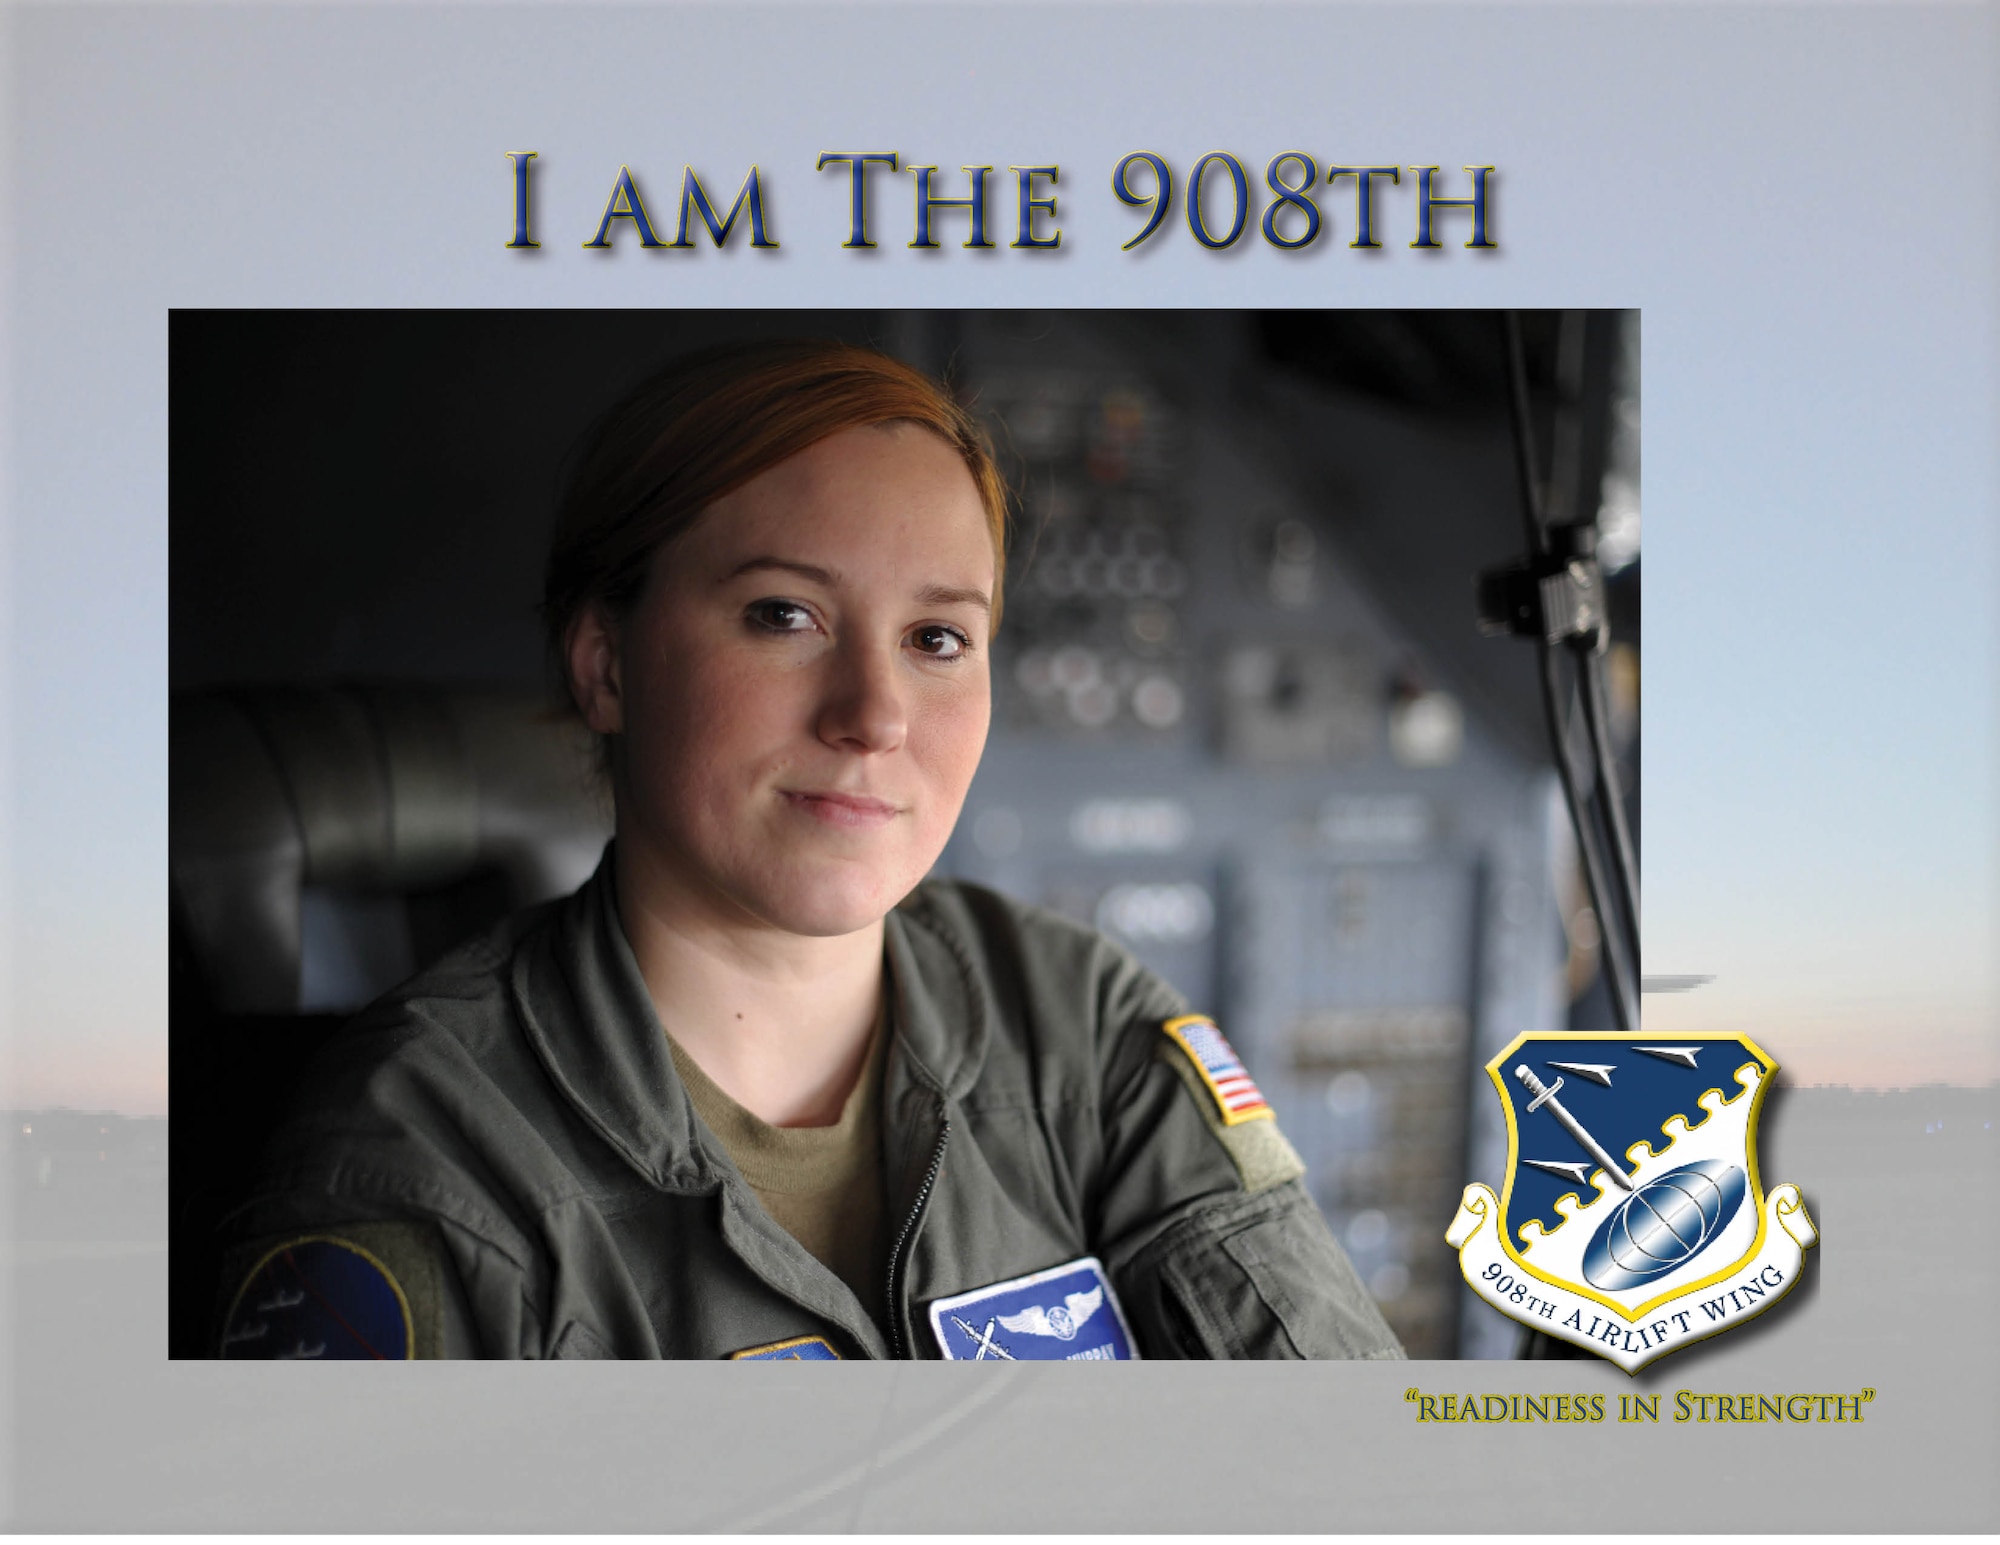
x: 586, y: 1011
x: 941, y: 1006
x: 588, y: 1015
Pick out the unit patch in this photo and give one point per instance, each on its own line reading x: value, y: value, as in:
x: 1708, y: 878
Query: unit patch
x: 1065, y: 1314
x: 1236, y: 1095
x: 803, y: 1349
x: 1632, y: 1220
x: 323, y: 1298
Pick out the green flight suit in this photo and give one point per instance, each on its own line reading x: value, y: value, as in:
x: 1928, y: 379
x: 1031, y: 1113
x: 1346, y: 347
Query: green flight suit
x: 506, y: 1134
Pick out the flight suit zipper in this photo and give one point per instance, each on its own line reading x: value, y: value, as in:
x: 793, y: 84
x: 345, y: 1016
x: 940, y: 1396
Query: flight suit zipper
x: 899, y: 1265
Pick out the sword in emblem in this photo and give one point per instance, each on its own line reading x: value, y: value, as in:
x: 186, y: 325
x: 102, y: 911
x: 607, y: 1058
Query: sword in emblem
x: 983, y: 1339
x: 1545, y: 1094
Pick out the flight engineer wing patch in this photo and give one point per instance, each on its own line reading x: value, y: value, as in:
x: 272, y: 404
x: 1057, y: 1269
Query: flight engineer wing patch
x: 1237, y: 1096
x: 1065, y: 1314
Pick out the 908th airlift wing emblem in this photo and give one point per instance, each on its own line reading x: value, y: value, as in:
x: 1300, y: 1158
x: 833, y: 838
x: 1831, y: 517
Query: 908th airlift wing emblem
x: 1632, y: 1221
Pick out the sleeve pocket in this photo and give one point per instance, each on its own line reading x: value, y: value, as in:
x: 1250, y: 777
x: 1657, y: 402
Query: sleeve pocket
x: 1298, y: 1279
x: 1233, y: 1308
x: 1275, y: 1290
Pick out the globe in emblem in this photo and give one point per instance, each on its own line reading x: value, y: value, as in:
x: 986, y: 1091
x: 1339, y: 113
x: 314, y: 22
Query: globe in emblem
x: 1061, y: 1323
x: 1664, y: 1224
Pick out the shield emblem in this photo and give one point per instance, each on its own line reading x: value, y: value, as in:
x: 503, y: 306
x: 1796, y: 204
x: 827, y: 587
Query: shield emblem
x: 1632, y: 1219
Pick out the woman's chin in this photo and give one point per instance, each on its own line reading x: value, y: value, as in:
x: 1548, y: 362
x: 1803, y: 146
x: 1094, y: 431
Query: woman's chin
x: 829, y: 906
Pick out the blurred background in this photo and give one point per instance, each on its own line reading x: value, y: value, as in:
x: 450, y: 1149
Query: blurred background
x: 1245, y: 720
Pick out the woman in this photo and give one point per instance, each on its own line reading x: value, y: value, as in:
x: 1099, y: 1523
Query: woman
x: 758, y: 1090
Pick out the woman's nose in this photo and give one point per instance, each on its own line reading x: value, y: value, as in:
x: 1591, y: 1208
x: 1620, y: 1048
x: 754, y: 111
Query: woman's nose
x: 863, y: 708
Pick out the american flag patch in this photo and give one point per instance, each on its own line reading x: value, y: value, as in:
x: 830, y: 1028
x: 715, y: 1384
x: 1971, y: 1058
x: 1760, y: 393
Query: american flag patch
x: 1236, y: 1093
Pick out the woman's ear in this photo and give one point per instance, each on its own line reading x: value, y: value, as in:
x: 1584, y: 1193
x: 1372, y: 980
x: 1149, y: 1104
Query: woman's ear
x: 593, y: 671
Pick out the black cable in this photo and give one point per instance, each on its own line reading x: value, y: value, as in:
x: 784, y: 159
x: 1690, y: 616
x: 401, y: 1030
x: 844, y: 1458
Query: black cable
x: 1611, y: 943
x: 1596, y: 771
x: 1565, y: 490
x: 1527, y: 475
x: 1597, y: 716
x: 1566, y: 495
x: 1567, y: 500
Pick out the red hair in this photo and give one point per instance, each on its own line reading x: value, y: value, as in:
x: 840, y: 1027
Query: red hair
x: 707, y: 425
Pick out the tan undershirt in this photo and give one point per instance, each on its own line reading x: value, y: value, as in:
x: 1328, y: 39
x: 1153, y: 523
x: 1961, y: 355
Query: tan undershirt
x: 821, y: 1185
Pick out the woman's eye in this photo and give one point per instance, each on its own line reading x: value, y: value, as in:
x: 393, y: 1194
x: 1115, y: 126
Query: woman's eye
x: 781, y: 617
x: 940, y: 643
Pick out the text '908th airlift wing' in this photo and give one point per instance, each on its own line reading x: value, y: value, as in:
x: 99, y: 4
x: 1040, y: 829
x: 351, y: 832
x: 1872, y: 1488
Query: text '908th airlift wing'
x: 1632, y: 1221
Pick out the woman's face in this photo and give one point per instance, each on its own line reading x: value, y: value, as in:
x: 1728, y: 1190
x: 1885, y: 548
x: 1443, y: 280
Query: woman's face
x: 802, y: 691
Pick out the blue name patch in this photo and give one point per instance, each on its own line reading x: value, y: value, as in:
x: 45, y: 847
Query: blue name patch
x: 319, y: 1298
x: 1065, y: 1314
x: 807, y: 1349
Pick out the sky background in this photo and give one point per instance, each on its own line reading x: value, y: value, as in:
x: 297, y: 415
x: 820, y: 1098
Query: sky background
x: 1802, y: 201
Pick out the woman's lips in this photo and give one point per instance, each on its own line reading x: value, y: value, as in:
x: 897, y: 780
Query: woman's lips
x: 858, y: 812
